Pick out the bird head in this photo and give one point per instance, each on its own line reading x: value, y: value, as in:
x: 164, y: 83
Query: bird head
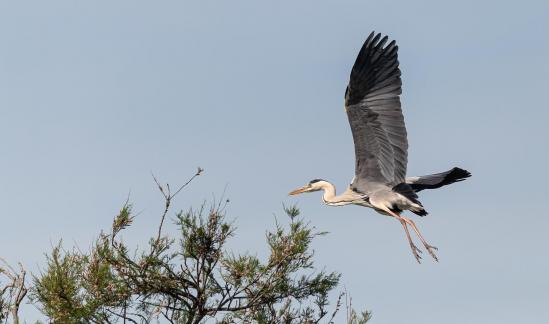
x: 313, y: 185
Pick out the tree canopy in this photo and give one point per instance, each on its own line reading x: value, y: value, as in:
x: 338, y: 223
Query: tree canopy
x: 191, y: 278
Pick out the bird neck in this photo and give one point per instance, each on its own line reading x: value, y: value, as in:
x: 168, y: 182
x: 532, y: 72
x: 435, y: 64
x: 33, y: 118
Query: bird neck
x: 329, y: 191
x: 329, y: 197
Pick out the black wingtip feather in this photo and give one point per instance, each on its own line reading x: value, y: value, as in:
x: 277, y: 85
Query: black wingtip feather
x: 370, y: 37
x: 457, y: 174
x: 421, y: 212
x: 382, y: 42
x: 376, y: 39
x: 376, y: 61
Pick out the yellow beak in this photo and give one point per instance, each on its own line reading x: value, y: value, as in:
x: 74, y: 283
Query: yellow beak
x: 297, y: 191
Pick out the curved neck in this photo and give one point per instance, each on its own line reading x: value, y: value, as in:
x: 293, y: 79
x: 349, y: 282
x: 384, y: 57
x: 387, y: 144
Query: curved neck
x: 329, y: 197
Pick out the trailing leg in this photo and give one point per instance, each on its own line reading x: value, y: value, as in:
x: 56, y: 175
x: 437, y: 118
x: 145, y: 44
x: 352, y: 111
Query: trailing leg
x: 415, y: 250
x: 428, y: 246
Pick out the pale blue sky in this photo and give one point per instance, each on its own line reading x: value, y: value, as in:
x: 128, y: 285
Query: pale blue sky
x: 94, y: 95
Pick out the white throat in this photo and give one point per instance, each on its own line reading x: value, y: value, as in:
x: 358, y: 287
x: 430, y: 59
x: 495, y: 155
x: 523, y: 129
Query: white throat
x: 329, y: 196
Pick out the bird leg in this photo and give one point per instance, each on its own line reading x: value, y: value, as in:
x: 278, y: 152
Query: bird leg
x: 429, y: 247
x: 415, y: 250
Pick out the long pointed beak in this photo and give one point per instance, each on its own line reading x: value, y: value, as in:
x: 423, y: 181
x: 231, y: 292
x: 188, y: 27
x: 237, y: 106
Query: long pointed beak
x: 297, y: 191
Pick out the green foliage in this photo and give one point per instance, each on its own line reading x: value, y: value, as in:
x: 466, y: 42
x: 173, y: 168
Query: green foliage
x: 77, y: 287
x: 191, y: 278
x: 355, y: 318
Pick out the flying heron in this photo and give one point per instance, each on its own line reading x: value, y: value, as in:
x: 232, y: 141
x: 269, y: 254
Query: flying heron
x: 373, y: 108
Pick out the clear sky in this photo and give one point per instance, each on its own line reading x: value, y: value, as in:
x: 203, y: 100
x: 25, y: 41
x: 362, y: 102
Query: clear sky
x: 94, y: 95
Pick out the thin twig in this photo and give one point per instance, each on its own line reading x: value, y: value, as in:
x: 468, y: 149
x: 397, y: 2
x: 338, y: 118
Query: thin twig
x: 168, y: 196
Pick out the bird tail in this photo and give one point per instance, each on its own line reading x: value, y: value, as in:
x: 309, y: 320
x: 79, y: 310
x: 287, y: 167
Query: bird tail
x: 407, y: 191
x: 420, y: 211
x: 437, y: 180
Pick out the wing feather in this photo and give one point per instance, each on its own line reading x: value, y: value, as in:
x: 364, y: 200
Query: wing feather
x: 373, y: 107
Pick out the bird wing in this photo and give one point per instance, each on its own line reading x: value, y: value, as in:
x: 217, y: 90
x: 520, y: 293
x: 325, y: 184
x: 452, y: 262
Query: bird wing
x: 437, y: 180
x: 373, y: 107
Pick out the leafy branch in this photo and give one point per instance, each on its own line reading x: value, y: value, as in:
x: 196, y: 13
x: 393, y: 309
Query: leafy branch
x: 191, y: 278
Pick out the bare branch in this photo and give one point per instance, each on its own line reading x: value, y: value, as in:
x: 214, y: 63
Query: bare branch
x: 16, y: 290
x: 168, y: 197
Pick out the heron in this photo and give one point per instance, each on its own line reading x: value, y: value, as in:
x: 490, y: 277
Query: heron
x: 373, y: 107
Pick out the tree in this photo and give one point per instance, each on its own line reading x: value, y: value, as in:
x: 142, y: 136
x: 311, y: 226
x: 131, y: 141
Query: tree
x: 191, y: 279
x: 13, y: 290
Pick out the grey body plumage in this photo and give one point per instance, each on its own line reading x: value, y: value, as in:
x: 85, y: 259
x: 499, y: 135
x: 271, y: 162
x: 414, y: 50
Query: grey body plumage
x: 372, y: 104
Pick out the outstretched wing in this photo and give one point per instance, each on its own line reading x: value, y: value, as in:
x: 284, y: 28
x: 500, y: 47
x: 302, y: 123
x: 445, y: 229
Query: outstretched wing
x: 373, y: 107
x: 437, y: 180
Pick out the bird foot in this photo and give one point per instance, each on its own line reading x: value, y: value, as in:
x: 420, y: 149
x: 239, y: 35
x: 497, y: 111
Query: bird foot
x: 416, y: 252
x: 431, y: 249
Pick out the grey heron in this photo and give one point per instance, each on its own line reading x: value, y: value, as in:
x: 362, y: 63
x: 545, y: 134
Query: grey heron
x: 374, y: 111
